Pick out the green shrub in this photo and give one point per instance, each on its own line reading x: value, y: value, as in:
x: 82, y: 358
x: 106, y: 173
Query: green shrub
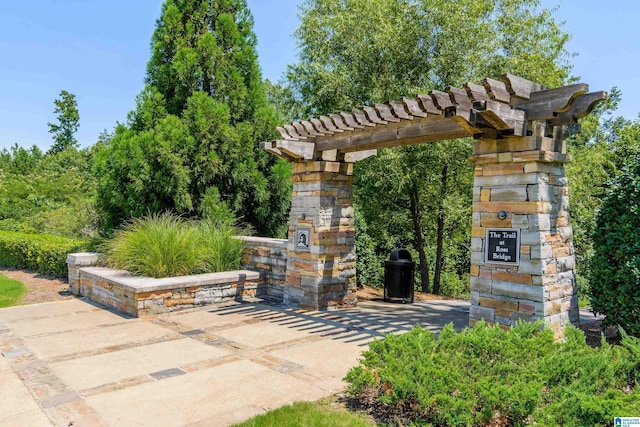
x: 156, y: 246
x: 615, y: 284
x: 221, y: 247
x: 452, y: 285
x: 38, y: 252
x: 369, y: 270
x: 519, y: 377
x: 165, y: 245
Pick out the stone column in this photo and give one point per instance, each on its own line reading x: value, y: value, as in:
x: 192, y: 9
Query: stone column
x: 520, y: 184
x: 321, y: 248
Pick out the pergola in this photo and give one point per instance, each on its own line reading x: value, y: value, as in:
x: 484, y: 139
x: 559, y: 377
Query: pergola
x: 522, y: 253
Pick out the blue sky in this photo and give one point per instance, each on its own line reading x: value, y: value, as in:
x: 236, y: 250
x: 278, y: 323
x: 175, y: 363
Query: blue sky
x: 98, y: 50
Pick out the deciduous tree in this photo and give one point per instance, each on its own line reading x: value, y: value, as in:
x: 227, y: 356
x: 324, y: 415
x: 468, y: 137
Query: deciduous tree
x: 68, y: 122
x: 359, y: 52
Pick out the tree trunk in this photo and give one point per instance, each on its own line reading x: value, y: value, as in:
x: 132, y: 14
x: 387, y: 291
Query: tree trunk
x: 416, y: 217
x: 440, y: 231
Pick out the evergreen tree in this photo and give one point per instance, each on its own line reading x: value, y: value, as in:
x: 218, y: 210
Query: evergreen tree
x: 203, y: 80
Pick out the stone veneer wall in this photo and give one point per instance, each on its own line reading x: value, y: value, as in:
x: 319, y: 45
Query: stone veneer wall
x: 324, y: 275
x: 524, y: 177
x: 264, y: 259
x: 269, y: 257
x: 143, y: 296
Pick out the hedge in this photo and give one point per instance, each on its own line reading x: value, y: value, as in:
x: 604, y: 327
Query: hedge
x: 42, y: 253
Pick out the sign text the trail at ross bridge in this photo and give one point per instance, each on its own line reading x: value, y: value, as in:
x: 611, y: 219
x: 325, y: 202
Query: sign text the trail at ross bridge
x: 503, y: 246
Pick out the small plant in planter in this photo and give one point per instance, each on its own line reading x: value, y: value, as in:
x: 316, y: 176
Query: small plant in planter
x: 166, y: 245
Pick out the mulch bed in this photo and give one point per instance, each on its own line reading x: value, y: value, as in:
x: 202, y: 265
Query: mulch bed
x: 39, y: 287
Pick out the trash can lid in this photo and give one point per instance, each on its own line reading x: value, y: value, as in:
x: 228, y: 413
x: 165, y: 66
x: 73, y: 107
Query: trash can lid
x: 400, y: 255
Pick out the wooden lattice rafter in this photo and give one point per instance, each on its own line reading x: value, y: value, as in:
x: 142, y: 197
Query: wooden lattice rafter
x: 512, y: 106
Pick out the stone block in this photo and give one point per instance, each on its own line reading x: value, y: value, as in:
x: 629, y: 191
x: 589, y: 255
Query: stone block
x: 475, y: 270
x: 561, y: 251
x: 540, y: 252
x: 480, y: 232
x: 541, y: 192
x: 534, y: 237
x: 491, y: 220
x: 540, y: 222
x: 474, y: 298
x: 498, y: 304
x: 566, y: 263
x: 509, y: 194
x: 480, y: 284
x: 505, y: 157
x: 503, y: 321
x: 505, y: 276
x: 477, y: 244
x: 526, y: 307
x: 546, y: 168
x: 520, y: 221
x: 526, y: 317
x: 530, y: 266
x: 170, y: 302
x: 476, y: 193
x: 477, y: 312
x: 477, y: 258
x: 485, y: 272
x: 510, y: 180
x: 517, y: 291
x: 513, y: 207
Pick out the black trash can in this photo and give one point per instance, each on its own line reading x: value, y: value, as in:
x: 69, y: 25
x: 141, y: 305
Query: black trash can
x: 398, y: 276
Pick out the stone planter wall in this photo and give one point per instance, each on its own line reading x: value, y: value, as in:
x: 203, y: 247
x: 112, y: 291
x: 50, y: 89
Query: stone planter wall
x: 264, y: 276
x: 144, y: 296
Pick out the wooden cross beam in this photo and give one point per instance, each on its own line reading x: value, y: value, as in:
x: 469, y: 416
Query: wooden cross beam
x: 494, y: 109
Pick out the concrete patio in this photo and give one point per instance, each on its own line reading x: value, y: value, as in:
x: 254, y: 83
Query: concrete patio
x: 75, y: 363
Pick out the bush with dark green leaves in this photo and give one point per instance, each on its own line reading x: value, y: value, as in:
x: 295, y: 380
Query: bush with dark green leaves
x: 42, y: 253
x: 488, y: 376
x: 615, y: 284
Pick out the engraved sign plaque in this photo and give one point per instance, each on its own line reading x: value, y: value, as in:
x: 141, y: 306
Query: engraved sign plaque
x: 302, y: 241
x: 502, y: 246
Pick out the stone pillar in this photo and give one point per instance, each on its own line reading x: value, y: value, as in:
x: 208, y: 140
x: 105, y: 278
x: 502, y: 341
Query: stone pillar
x: 321, y: 247
x: 520, y: 185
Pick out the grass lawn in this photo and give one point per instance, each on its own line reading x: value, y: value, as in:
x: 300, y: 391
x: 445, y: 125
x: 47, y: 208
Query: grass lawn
x: 311, y: 414
x: 10, y: 291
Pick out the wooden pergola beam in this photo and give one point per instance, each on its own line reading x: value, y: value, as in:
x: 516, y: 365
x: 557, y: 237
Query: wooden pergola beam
x: 513, y: 106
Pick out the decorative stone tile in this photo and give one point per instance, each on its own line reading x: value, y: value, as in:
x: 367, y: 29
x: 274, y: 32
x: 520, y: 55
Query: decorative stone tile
x: 167, y: 373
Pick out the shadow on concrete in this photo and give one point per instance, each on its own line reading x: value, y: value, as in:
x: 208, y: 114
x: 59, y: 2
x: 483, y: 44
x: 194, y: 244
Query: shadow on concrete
x: 357, y: 325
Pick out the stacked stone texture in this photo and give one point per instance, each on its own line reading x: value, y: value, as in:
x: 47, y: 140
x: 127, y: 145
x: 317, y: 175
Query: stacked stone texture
x: 265, y: 260
x: 269, y: 257
x: 324, y: 276
x: 143, y: 296
x: 525, y: 177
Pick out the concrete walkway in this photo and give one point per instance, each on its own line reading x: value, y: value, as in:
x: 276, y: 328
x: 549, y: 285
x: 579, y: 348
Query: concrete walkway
x: 72, y: 363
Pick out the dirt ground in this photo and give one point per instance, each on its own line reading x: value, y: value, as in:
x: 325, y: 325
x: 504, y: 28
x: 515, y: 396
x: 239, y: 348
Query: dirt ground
x: 40, y: 288
x: 368, y: 293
